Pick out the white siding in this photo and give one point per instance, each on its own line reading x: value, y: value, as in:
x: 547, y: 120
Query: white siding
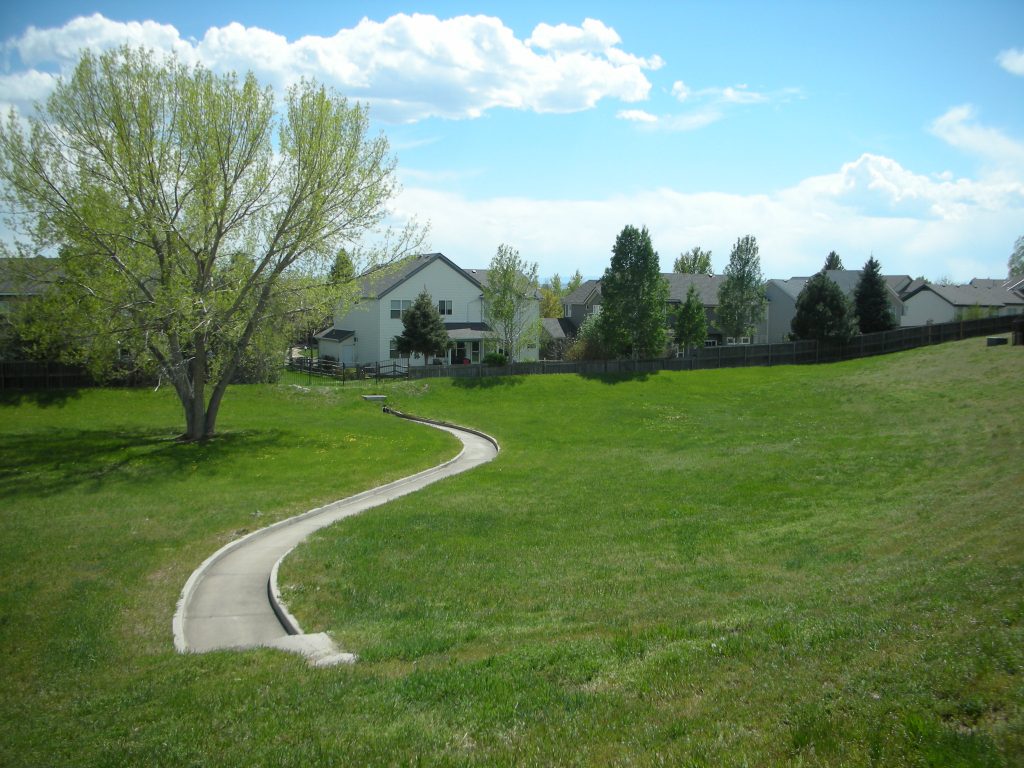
x: 927, y: 307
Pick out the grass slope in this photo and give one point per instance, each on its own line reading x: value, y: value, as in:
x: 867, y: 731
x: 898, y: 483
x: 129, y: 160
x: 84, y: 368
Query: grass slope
x: 805, y: 566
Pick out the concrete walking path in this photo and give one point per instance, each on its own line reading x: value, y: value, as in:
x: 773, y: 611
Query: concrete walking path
x: 232, y: 600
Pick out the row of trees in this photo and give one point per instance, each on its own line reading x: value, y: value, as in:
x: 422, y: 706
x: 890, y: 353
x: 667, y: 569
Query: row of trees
x: 824, y: 312
x: 632, y: 320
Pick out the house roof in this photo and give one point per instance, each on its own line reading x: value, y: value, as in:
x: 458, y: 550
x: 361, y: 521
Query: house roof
x: 587, y: 292
x: 334, y: 334
x: 846, y: 279
x: 707, y: 287
x: 378, y: 286
x: 559, y: 327
x: 971, y: 295
x: 467, y: 331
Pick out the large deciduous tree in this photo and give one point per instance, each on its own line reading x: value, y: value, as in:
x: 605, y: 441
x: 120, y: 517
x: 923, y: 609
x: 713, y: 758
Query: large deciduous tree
x: 553, y: 291
x: 423, y: 329
x: 741, y: 299
x: 189, y: 214
x: 691, y: 322
x: 634, y: 295
x: 1015, y: 264
x: 823, y: 312
x: 693, y: 262
x: 871, y: 300
x: 510, y: 302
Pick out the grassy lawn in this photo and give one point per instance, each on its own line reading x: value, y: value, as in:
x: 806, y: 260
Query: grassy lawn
x: 786, y: 566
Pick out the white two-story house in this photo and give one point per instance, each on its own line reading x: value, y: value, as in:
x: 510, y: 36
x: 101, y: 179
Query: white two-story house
x: 365, y: 333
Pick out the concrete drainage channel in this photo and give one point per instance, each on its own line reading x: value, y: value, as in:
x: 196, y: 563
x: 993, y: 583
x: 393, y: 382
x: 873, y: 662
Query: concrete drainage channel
x: 232, y: 600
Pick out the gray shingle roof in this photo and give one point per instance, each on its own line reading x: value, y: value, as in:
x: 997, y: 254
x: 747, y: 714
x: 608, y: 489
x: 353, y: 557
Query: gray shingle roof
x: 582, y: 293
x: 559, y: 327
x: 970, y: 295
x: 376, y: 286
x: 334, y: 334
x: 707, y: 286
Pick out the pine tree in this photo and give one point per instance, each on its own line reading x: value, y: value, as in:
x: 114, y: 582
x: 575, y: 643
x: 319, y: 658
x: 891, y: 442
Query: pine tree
x: 832, y: 261
x: 634, y: 297
x: 691, y: 323
x: 823, y: 312
x: 871, y: 300
x: 424, y: 330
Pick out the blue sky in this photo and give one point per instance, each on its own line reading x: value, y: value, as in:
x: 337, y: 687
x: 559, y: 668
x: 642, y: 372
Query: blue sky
x: 893, y: 129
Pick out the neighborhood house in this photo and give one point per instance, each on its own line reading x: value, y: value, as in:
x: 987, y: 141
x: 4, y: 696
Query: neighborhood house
x: 365, y: 332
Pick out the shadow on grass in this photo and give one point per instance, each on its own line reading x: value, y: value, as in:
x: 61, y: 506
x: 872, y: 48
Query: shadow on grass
x: 45, y: 463
x: 617, y: 378
x: 489, y: 382
x: 43, y: 398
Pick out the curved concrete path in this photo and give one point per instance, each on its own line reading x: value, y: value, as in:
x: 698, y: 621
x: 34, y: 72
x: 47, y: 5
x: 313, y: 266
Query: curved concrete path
x: 232, y: 600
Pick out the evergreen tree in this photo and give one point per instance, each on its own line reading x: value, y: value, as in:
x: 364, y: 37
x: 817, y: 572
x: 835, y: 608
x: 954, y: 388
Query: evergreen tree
x: 871, y: 300
x: 635, y: 294
x: 691, y: 323
x: 832, y: 261
x: 741, y: 298
x: 424, y: 330
x: 693, y: 262
x: 823, y: 312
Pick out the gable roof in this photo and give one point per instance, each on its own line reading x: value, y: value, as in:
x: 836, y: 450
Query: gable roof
x: 846, y: 279
x: 587, y: 292
x: 559, y: 327
x: 334, y: 334
x: 707, y: 287
x: 376, y: 287
x: 971, y: 295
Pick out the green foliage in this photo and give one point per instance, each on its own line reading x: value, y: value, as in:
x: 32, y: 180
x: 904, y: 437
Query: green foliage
x: 182, y: 228
x: 424, y: 330
x: 1015, y: 264
x: 589, y: 341
x: 510, y: 302
x: 741, y: 300
x: 495, y: 359
x: 693, y: 262
x: 691, y: 322
x: 871, y: 300
x: 552, y: 292
x: 633, y: 297
x: 832, y: 262
x: 823, y: 312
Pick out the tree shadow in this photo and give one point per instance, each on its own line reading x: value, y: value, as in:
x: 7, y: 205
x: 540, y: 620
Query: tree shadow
x: 489, y: 382
x: 617, y: 378
x: 43, y: 398
x: 45, y: 463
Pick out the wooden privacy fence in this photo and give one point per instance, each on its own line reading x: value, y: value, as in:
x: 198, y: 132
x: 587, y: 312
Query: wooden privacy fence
x: 743, y: 356
x: 29, y: 375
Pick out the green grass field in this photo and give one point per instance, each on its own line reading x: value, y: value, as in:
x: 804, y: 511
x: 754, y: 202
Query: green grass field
x: 786, y: 566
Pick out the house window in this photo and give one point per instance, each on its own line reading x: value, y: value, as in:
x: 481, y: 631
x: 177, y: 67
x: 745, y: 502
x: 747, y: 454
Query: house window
x: 399, y: 307
x: 596, y: 309
x: 393, y: 350
x: 444, y: 307
x: 744, y: 339
x: 710, y: 342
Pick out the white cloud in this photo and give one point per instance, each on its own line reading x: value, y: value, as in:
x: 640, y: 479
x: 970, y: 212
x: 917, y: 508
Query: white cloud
x: 407, y: 67
x: 959, y: 128
x: 913, y: 224
x: 1012, y: 61
x: 680, y: 90
x: 637, y: 115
